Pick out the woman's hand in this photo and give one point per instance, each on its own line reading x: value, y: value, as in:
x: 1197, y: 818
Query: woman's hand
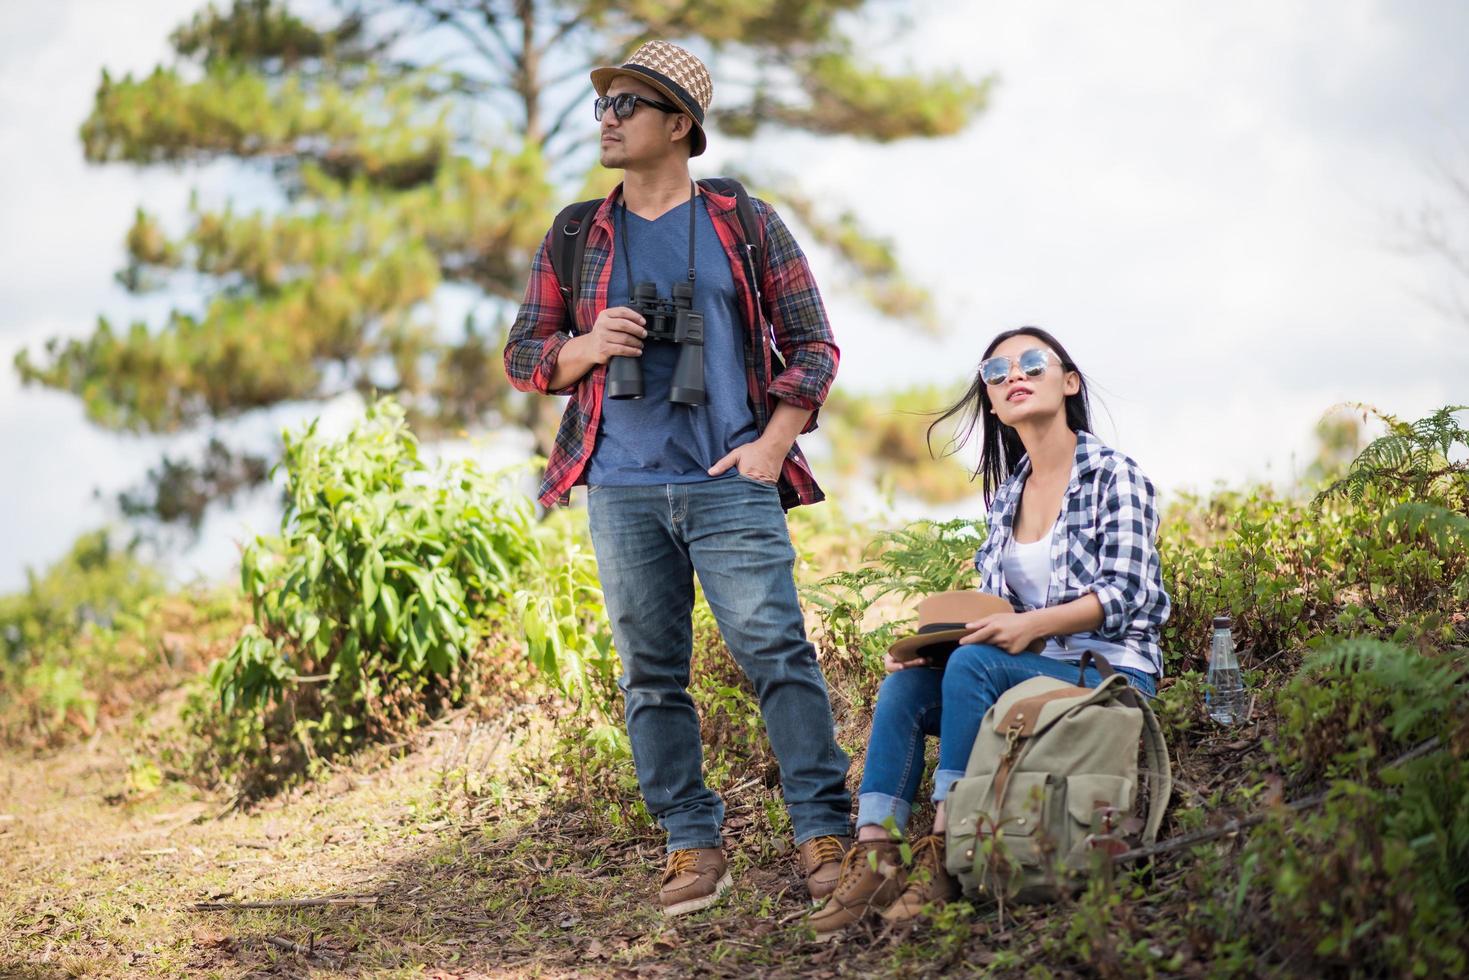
x: 1011, y: 632
x: 893, y: 666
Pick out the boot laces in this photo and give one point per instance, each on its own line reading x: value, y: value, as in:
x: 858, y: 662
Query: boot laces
x: 928, y: 854
x: 825, y: 850
x: 680, y: 862
x: 855, y: 857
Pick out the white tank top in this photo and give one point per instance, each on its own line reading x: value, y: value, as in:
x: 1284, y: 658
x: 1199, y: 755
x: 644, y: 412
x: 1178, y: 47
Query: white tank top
x: 1027, y: 568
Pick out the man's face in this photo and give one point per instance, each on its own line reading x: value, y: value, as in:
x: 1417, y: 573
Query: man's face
x: 647, y: 135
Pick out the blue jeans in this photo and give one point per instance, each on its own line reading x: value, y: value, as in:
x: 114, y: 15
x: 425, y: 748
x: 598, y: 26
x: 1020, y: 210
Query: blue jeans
x: 650, y: 541
x: 921, y: 701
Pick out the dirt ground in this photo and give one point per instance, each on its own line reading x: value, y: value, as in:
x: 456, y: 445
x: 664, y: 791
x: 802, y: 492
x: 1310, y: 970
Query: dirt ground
x: 422, y: 878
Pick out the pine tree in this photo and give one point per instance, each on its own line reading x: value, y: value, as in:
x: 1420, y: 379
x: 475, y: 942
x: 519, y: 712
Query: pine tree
x: 417, y: 143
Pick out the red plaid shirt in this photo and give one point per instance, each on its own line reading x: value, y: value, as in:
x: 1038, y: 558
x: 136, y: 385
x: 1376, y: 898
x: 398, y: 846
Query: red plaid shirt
x: 790, y: 305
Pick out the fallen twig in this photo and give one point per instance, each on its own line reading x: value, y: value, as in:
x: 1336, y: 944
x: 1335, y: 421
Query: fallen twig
x: 308, y: 950
x: 792, y: 917
x: 736, y: 791
x: 1210, y: 833
x: 233, y: 804
x: 288, y: 903
x: 1241, y: 823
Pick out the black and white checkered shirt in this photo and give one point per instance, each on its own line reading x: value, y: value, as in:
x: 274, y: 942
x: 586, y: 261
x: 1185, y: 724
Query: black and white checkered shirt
x: 1106, y: 543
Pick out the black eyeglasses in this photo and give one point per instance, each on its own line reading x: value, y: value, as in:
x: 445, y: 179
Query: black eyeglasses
x: 625, y: 104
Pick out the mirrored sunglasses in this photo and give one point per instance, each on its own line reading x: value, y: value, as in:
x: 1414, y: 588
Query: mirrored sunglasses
x: 994, y: 370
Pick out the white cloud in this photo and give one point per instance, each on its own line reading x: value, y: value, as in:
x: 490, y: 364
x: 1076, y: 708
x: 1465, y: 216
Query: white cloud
x: 1192, y: 200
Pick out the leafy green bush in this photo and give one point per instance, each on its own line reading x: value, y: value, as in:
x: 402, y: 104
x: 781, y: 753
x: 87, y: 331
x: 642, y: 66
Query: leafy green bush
x: 558, y: 606
x: 1375, y: 880
x: 75, y: 638
x: 559, y: 617
x: 372, y: 604
x: 1289, y: 573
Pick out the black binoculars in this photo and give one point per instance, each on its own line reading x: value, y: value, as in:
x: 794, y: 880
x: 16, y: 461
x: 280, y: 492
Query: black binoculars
x: 669, y: 320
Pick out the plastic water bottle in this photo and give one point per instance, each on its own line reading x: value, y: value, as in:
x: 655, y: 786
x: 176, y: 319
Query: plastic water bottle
x: 1225, y: 695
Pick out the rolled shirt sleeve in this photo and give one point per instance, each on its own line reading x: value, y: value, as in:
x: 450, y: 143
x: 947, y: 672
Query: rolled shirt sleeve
x: 798, y: 320
x: 534, y: 343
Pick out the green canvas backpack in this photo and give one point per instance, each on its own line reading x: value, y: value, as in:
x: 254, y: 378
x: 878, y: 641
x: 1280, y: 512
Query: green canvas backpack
x: 1052, y: 778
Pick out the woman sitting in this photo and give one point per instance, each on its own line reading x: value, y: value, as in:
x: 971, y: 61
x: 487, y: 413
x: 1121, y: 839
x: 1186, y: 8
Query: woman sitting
x: 1072, y: 526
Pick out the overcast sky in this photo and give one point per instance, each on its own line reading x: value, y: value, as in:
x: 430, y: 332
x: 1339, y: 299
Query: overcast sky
x: 1197, y: 199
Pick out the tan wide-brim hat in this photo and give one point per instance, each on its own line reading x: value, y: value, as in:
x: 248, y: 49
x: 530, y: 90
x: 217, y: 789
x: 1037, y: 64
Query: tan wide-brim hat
x: 941, y: 624
x: 680, y: 76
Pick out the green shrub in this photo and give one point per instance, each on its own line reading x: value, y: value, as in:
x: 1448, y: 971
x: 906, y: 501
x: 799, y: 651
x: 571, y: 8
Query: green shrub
x: 558, y: 607
x: 92, y: 585
x: 1376, y: 880
x: 82, y: 637
x: 1290, y: 573
x: 371, y: 606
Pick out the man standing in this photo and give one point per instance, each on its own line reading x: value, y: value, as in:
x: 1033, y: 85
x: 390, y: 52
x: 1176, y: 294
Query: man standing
x: 682, y: 481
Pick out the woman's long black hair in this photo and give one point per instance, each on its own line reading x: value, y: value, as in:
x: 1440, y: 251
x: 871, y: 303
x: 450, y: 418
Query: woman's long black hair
x: 1000, y: 446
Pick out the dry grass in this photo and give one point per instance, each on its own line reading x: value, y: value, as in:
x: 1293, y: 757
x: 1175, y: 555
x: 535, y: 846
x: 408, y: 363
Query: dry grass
x: 474, y: 868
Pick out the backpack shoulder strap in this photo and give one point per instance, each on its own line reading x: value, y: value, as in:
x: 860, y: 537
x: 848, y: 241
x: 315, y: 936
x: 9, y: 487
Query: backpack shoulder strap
x: 568, y: 246
x: 749, y: 221
x: 1155, y: 749
x: 1159, y: 772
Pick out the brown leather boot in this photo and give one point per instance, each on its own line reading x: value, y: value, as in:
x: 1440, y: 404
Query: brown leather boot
x: 821, y: 862
x: 871, y: 877
x: 693, y: 880
x: 928, y: 882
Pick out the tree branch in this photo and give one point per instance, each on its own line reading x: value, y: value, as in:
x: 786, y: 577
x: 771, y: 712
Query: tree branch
x: 563, y: 29
x: 450, y: 19
x: 289, y: 903
x: 527, y: 79
x: 562, y: 117
x: 492, y: 21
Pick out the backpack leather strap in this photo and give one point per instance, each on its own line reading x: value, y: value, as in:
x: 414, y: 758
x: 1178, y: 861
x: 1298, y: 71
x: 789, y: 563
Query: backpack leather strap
x: 1159, y: 772
x: 1155, y: 749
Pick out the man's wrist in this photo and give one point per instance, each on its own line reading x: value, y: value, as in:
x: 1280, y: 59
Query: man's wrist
x: 574, y: 344
x: 776, y: 442
x: 571, y: 363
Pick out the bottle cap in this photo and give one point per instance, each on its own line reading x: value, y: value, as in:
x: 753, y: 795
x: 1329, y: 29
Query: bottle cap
x: 1222, y: 622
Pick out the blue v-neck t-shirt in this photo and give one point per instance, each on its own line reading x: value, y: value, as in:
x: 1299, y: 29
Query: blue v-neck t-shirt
x: 653, y: 440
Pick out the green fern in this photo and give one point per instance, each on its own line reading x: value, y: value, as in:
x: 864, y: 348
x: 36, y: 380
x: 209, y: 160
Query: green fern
x: 918, y: 560
x: 1447, y: 529
x: 1420, y: 689
x: 1412, y: 454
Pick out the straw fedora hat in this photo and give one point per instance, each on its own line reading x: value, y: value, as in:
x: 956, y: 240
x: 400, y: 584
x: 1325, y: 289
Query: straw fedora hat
x: 680, y: 76
x: 941, y: 624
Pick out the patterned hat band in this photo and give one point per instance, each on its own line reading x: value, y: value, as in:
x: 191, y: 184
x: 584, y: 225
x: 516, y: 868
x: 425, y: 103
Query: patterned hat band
x: 679, y: 93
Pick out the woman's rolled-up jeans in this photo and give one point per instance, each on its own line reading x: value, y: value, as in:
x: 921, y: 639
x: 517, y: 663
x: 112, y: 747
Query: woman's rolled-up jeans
x: 950, y: 703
